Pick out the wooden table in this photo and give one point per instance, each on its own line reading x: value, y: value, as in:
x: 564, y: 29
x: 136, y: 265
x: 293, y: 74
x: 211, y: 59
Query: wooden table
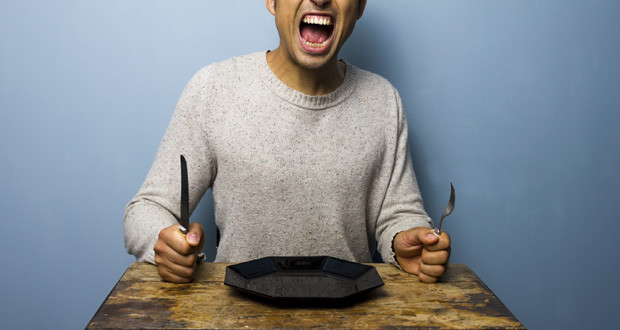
x: 142, y: 300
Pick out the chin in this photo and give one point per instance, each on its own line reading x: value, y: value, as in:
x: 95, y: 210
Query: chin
x: 315, y: 61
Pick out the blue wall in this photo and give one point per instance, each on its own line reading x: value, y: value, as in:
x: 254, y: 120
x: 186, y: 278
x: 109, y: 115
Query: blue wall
x: 515, y: 102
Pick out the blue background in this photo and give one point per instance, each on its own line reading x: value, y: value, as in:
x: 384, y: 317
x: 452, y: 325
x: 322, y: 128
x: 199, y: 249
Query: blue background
x: 515, y: 102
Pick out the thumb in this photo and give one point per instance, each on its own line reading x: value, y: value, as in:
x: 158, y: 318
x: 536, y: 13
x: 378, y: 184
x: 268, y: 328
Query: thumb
x: 194, y: 234
x: 427, y: 236
x: 410, y: 243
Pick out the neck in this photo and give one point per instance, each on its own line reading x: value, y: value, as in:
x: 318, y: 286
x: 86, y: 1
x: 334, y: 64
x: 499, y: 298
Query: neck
x: 319, y: 81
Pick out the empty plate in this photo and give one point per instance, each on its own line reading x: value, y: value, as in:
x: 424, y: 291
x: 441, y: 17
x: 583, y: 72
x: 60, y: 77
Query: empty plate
x: 302, y: 277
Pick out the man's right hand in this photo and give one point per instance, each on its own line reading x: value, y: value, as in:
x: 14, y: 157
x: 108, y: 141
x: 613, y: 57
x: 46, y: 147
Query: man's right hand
x: 176, y: 254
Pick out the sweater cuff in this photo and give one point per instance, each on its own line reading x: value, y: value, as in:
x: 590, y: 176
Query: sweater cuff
x: 385, y: 247
x: 392, y: 259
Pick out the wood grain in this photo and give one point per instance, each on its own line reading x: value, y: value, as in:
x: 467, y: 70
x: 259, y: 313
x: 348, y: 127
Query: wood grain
x: 142, y: 300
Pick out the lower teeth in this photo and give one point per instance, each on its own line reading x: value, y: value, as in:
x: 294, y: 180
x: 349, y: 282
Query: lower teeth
x: 313, y: 45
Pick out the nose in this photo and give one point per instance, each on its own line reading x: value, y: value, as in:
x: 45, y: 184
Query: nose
x: 320, y: 3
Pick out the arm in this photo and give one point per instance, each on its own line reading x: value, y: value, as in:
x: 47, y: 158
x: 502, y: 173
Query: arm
x: 156, y: 205
x: 402, y: 213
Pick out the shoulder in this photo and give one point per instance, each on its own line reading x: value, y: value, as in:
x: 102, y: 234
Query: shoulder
x: 367, y: 80
x: 225, y: 72
x: 375, y: 91
x: 233, y: 67
x: 372, y: 86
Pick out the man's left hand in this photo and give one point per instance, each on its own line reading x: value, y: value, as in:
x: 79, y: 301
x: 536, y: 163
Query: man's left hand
x: 419, y: 251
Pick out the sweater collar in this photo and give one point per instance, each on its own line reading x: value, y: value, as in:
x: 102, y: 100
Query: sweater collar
x: 295, y: 97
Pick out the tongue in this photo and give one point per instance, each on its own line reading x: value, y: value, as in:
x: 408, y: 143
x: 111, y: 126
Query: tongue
x: 315, y: 34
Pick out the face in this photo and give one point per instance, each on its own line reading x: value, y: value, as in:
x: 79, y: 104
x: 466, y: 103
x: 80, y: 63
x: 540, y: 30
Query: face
x: 312, y: 31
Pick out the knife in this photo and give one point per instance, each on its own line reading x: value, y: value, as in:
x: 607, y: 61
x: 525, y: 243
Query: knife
x: 184, y: 219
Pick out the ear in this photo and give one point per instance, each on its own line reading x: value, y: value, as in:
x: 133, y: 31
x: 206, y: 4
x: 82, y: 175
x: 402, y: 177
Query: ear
x: 271, y: 6
x: 360, y: 9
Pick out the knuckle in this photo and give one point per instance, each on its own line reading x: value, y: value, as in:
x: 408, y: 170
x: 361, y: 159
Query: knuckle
x: 184, y: 273
x: 445, y: 255
x: 158, y: 247
x: 162, y: 273
x: 433, y: 270
x: 189, y: 260
x: 430, y: 279
x: 426, y: 278
x: 436, y: 257
x: 439, y: 270
x: 445, y: 243
x: 188, y: 273
x: 168, y: 276
x: 185, y: 249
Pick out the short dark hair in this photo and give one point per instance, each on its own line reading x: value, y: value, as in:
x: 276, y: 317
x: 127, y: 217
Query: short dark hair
x: 275, y: 3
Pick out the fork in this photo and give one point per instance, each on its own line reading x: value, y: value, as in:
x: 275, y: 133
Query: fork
x: 446, y: 212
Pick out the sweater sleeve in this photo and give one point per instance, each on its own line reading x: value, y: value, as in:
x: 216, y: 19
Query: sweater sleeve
x: 157, y: 203
x: 402, y: 207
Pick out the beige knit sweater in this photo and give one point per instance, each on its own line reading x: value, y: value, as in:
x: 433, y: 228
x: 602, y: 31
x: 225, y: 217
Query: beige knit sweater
x: 291, y: 174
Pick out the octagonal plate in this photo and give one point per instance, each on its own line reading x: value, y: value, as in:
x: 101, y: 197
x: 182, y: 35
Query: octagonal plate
x: 302, y: 277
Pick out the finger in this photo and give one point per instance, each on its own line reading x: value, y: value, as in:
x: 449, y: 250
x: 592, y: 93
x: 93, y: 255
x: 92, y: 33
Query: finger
x: 168, y: 275
x: 410, y: 265
x: 432, y: 270
x: 422, y: 236
x: 410, y: 242
x: 164, y: 253
x: 173, y: 237
x: 180, y: 271
x: 427, y: 236
x: 173, y: 268
x: 435, y: 257
x: 410, y: 252
x: 195, y: 235
x: 427, y: 278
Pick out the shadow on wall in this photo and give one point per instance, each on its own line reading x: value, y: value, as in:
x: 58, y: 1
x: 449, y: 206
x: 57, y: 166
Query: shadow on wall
x: 205, y: 215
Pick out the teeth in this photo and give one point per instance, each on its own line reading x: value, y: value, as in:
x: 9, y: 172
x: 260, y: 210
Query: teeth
x: 313, y: 45
x: 317, y: 20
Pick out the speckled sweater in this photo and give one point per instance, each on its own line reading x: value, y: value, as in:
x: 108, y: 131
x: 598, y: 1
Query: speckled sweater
x: 291, y: 174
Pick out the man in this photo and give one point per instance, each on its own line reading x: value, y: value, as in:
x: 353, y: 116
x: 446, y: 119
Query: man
x: 305, y: 155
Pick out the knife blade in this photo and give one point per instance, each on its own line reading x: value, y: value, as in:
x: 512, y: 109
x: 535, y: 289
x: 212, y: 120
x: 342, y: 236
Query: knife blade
x: 184, y: 219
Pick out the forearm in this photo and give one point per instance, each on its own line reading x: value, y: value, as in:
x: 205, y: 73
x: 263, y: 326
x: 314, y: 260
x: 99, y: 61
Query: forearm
x: 402, y: 207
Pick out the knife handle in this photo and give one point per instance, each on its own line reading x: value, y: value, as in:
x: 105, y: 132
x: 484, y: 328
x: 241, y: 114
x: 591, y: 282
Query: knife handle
x: 184, y: 214
x: 182, y: 229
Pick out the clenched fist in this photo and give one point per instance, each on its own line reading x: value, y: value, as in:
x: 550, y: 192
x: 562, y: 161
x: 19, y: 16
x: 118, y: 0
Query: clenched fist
x: 176, y: 254
x: 419, y: 251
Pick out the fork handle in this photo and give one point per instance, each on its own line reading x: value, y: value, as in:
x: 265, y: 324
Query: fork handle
x: 438, y: 228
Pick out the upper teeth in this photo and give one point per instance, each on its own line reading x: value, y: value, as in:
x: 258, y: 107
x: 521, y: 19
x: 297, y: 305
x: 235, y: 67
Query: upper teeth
x: 318, y: 20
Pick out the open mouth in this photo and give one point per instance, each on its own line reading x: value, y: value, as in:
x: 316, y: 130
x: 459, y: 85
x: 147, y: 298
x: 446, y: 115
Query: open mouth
x: 316, y: 32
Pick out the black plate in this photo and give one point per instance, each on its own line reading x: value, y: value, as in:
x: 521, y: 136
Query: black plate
x: 302, y: 277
